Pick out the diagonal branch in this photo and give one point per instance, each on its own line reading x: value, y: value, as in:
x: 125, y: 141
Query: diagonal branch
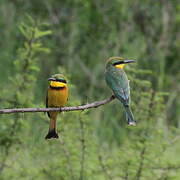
x: 74, y: 108
x: 141, y: 164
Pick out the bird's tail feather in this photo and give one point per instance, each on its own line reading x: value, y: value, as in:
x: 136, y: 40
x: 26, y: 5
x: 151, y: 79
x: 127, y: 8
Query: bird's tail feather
x: 129, y: 116
x: 52, y: 134
x: 52, y: 130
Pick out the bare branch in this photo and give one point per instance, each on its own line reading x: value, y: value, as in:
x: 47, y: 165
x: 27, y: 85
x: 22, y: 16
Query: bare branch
x: 104, y: 168
x: 140, y: 168
x: 83, y: 147
x: 68, y: 158
x: 74, y: 108
x: 170, y: 167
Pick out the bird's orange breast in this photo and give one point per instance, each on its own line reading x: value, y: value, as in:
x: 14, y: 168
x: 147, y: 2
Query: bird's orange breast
x: 57, y: 97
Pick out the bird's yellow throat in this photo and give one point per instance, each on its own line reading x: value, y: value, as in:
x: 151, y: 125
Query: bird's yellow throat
x: 57, y: 84
x: 120, y: 66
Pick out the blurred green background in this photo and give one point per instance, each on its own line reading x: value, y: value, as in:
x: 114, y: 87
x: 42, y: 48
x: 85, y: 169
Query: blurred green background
x: 75, y: 37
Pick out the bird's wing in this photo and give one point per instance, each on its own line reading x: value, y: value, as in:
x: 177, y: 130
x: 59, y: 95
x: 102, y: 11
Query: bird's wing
x: 47, y: 103
x: 119, y: 83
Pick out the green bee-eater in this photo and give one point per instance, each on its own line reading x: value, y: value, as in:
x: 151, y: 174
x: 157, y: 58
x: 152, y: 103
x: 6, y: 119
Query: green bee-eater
x: 117, y: 80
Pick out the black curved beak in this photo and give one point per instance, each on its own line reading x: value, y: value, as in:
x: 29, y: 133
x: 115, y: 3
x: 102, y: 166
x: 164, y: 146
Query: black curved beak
x: 51, y: 79
x: 129, y: 61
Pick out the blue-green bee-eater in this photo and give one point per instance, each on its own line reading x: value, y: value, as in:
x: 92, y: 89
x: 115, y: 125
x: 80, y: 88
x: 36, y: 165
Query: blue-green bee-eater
x: 117, y: 80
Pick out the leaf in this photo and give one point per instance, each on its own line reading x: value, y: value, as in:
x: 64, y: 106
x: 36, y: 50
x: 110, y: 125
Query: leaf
x: 39, y: 33
x: 23, y: 30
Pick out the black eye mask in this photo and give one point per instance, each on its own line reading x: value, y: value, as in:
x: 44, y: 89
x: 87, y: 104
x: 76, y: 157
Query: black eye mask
x: 61, y: 80
x: 117, y: 63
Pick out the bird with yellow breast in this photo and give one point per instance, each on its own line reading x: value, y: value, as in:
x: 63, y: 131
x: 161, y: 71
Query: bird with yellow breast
x: 57, y: 96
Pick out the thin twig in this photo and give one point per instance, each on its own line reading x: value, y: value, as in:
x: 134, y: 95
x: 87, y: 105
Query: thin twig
x: 74, y: 108
x: 170, y: 167
x: 104, y: 168
x: 165, y: 171
x: 67, y: 155
x: 126, y: 175
x: 141, y: 164
x: 83, y: 147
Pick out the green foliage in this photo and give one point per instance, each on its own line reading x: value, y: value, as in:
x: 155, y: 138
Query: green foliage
x: 20, y: 88
x: 76, y: 37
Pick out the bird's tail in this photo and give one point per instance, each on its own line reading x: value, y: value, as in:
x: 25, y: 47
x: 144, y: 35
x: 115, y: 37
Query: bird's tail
x: 129, y: 116
x: 52, y: 130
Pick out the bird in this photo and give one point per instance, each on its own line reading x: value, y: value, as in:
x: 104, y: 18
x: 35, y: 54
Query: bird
x: 57, y: 96
x: 118, y: 82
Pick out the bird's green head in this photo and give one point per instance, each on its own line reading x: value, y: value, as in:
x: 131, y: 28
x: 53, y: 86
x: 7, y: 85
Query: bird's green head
x: 57, y: 81
x: 118, y: 62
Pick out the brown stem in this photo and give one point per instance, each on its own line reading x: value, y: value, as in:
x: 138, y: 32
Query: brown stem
x: 83, y: 147
x: 74, y: 108
x: 140, y: 168
x: 104, y: 168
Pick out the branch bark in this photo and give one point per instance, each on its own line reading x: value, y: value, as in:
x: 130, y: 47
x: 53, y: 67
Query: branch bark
x: 141, y: 164
x: 74, y: 108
